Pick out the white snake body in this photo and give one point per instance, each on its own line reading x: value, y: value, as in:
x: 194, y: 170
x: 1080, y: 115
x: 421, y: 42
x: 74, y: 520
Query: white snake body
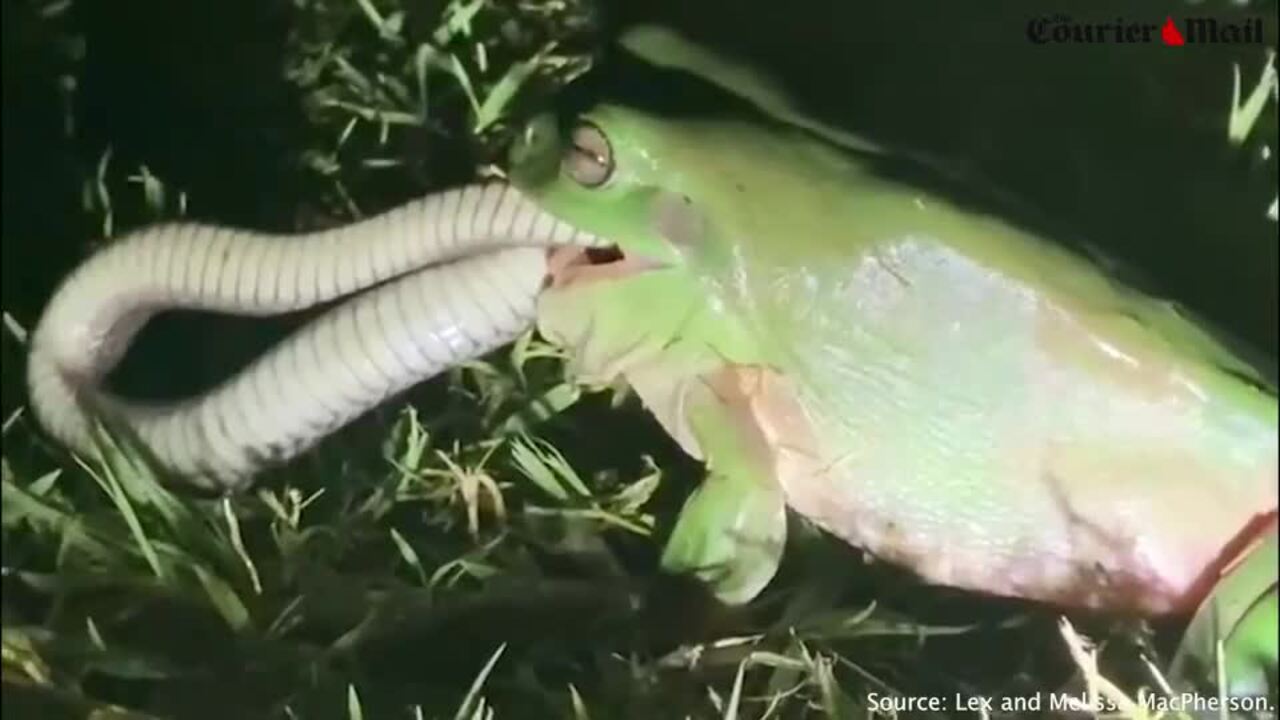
x: 440, y: 280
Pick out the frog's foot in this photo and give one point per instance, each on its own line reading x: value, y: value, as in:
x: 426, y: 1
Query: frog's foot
x: 1237, y: 626
x: 731, y: 531
x: 730, y: 534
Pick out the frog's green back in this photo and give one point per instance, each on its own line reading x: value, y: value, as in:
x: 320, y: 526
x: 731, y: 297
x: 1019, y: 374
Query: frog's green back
x: 665, y: 48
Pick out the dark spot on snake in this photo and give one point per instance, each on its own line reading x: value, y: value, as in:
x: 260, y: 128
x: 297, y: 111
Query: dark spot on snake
x: 268, y: 454
x: 274, y: 453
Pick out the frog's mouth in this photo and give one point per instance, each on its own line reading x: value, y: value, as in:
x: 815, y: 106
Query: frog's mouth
x: 572, y: 266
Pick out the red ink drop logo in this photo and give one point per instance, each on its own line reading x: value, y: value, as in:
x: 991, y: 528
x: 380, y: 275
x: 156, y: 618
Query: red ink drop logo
x: 1169, y: 33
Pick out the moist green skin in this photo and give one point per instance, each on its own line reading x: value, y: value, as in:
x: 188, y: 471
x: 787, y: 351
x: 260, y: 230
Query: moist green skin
x: 976, y: 402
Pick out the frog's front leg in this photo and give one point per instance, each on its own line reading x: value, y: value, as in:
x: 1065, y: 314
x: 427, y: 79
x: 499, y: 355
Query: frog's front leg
x: 1238, y: 624
x: 732, y: 529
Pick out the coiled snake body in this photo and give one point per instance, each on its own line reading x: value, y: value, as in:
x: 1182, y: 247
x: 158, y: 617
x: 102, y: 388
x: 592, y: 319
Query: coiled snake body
x: 446, y: 278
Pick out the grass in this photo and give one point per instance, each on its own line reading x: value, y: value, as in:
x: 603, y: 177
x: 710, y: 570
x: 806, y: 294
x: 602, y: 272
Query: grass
x: 493, y: 559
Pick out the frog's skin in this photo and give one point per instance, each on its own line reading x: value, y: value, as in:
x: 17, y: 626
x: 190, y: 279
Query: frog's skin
x: 930, y: 383
x: 927, y: 382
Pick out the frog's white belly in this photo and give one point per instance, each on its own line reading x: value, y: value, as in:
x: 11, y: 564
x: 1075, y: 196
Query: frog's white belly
x: 934, y: 418
x: 1025, y: 530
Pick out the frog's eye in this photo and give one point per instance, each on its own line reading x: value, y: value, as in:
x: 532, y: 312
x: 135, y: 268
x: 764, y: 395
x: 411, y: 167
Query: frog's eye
x: 589, y: 159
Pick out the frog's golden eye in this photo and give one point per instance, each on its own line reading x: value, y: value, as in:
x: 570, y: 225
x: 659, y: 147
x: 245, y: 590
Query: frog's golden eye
x: 589, y: 158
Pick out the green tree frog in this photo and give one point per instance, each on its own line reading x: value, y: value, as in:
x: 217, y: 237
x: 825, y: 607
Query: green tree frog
x: 921, y: 379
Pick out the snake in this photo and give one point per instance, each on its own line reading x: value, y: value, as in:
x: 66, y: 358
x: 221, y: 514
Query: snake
x: 442, y: 279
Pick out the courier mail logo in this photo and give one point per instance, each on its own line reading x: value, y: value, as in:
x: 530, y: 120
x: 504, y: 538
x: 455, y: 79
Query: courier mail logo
x: 1065, y: 30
